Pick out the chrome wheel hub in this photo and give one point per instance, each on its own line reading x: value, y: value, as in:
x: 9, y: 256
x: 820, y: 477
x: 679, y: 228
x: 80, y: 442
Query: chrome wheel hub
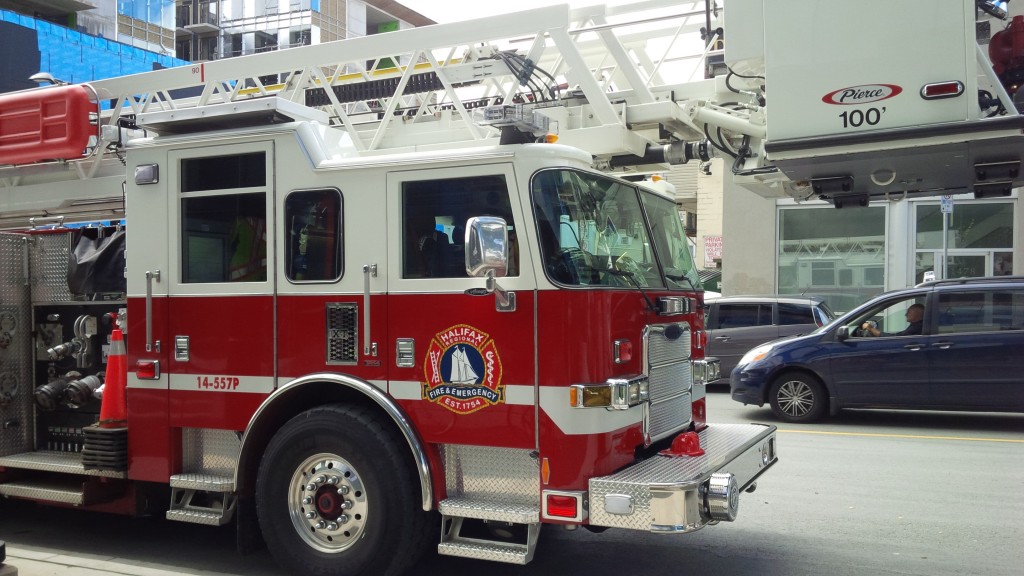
x: 327, y: 503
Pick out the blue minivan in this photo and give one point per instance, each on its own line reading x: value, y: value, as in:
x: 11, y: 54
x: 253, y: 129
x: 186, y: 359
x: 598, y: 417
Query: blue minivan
x: 942, y: 345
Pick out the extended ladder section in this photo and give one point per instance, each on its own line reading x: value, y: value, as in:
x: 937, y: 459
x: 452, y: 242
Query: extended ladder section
x: 591, y: 76
x: 627, y: 84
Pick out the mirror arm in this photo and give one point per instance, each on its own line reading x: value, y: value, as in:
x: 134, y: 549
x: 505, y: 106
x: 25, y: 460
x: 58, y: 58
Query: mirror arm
x: 505, y: 301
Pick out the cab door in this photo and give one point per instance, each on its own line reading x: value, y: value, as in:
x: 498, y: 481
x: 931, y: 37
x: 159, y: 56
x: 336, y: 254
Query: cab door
x: 221, y: 292
x: 463, y: 365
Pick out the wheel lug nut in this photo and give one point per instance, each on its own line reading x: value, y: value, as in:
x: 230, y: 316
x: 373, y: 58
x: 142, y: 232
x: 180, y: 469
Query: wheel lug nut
x: 346, y: 505
x: 332, y: 526
x: 307, y: 500
x: 342, y: 490
x: 310, y: 515
x: 342, y: 519
x: 320, y: 479
x: 321, y: 525
x: 333, y: 480
x: 310, y: 487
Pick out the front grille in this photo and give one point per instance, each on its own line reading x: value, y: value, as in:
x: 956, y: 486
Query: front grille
x: 667, y: 361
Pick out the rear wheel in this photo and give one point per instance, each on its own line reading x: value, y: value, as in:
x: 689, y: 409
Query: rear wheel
x: 337, y: 495
x: 797, y: 398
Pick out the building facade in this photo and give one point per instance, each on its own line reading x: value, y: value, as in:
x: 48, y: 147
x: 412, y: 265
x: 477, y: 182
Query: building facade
x: 850, y: 254
x: 212, y: 29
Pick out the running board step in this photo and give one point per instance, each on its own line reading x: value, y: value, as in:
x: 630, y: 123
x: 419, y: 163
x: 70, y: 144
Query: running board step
x: 80, y: 491
x: 490, y: 510
x: 62, y: 493
x: 497, y: 541
x: 493, y: 551
x: 53, y: 461
x: 202, y: 499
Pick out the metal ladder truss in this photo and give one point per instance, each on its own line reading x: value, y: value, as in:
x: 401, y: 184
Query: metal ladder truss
x: 596, y: 74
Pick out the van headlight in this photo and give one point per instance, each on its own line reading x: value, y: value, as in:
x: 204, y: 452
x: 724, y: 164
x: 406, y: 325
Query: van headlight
x: 756, y: 354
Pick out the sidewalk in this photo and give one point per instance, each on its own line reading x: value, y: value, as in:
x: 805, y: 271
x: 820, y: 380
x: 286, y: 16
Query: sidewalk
x: 36, y: 562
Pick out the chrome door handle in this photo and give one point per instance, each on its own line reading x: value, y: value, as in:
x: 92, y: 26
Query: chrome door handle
x: 723, y: 338
x: 946, y: 345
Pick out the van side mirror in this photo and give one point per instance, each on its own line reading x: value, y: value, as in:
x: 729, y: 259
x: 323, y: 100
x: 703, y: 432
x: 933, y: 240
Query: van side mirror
x: 842, y: 333
x: 486, y: 246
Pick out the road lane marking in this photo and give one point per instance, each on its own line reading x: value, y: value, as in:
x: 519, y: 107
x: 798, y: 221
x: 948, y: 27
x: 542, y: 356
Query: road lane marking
x: 915, y: 436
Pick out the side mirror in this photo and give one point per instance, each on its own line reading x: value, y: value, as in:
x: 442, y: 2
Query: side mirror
x: 486, y: 246
x: 842, y: 333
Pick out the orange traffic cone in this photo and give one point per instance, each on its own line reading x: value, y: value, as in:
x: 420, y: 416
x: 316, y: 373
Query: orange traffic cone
x: 114, y: 407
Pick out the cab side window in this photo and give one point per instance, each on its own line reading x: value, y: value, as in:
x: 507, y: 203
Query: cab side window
x: 224, y: 238
x: 312, y: 224
x: 223, y: 228
x: 434, y: 214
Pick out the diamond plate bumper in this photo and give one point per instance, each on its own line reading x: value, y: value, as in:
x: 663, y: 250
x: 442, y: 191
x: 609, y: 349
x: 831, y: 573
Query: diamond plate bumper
x: 669, y: 494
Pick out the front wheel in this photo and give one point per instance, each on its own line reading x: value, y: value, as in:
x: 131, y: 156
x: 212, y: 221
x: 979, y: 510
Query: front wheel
x: 797, y: 398
x: 337, y: 495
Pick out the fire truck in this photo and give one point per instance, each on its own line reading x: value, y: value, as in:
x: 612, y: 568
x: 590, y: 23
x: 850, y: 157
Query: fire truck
x: 341, y: 295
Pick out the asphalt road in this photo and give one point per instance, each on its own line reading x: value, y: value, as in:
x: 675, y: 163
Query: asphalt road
x: 867, y: 493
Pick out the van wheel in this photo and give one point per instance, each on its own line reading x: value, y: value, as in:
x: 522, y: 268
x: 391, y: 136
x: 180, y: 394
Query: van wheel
x: 337, y: 495
x: 797, y: 398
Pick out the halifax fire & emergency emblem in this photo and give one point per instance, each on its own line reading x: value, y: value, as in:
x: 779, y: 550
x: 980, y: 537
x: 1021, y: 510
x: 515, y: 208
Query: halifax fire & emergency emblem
x: 463, y: 370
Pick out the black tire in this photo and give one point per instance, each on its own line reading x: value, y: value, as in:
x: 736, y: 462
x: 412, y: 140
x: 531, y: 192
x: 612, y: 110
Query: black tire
x: 797, y: 398
x: 363, y: 514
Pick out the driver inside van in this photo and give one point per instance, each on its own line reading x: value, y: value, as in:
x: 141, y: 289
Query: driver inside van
x: 915, y: 319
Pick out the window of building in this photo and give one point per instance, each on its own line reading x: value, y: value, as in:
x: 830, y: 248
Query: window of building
x: 312, y: 223
x: 979, y: 240
x: 838, y: 255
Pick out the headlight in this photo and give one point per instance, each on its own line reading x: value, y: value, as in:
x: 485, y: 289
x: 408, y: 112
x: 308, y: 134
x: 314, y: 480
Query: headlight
x: 756, y: 354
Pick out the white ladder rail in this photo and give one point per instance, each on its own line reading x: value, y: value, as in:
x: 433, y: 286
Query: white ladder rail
x: 568, y: 44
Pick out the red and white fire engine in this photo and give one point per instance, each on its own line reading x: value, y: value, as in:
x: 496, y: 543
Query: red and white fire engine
x: 366, y: 290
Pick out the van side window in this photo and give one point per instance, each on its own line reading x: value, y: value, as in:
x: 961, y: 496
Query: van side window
x: 980, y: 311
x: 313, y: 234
x: 224, y: 238
x: 434, y: 214
x: 795, y: 314
x: 744, y: 315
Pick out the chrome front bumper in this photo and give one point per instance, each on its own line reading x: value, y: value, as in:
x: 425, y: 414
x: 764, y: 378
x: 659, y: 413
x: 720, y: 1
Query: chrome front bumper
x: 682, y: 494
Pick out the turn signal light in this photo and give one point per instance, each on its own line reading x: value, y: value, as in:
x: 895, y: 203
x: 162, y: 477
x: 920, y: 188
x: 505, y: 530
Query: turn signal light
x: 623, y: 351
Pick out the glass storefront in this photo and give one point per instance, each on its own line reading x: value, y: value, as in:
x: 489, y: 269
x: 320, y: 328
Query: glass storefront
x: 979, y: 240
x: 838, y: 255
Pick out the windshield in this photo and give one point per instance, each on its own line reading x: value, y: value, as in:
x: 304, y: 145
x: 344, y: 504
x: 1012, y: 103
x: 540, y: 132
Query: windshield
x: 594, y: 232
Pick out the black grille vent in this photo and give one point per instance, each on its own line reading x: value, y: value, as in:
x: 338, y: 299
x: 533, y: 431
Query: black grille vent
x: 342, y: 334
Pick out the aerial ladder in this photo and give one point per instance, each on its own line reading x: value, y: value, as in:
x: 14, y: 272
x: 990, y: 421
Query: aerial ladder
x: 639, y: 86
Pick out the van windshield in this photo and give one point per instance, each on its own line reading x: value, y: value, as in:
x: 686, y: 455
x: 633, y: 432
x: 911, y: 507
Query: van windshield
x: 598, y: 231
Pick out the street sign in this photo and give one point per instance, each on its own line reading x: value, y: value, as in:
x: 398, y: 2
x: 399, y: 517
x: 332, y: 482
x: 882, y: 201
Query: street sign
x: 946, y: 204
